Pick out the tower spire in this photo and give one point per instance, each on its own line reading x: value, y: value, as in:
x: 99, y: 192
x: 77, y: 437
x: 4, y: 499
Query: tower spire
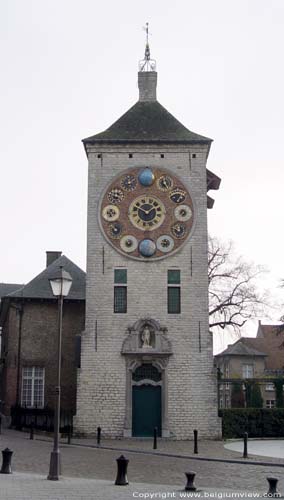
x: 147, y: 64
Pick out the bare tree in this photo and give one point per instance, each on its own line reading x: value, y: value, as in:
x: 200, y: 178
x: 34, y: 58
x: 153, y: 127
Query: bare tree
x: 234, y: 296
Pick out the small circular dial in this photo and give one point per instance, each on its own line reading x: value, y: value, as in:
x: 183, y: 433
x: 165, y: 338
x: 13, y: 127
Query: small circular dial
x: 147, y: 248
x: 110, y: 213
x: 165, y: 243
x: 177, y: 195
x: 147, y: 212
x: 116, y: 195
x: 146, y: 177
x: 178, y: 230
x: 128, y: 182
x: 183, y: 213
x: 115, y: 230
x: 128, y: 243
x: 165, y: 182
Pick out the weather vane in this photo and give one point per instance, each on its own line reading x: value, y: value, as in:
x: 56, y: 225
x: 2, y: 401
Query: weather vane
x: 147, y: 64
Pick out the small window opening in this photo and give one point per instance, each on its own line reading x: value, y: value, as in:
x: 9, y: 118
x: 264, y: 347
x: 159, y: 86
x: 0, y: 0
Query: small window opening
x: 120, y: 291
x: 174, y: 295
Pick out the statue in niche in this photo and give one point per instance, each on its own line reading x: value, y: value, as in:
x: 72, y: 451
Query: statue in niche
x: 146, y: 337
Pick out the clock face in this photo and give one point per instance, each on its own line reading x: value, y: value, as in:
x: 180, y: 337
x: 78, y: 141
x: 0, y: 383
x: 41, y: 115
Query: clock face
x: 128, y: 182
x: 146, y: 213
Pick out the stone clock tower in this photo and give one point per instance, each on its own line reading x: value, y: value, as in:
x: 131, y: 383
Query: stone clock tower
x: 146, y: 356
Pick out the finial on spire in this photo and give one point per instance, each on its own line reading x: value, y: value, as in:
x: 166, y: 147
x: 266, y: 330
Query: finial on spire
x: 147, y: 64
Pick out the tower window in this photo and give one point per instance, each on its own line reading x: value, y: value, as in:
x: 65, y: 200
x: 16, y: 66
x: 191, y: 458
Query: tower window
x: 173, y: 277
x: 174, y: 295
x: 130, y: 155
x: 99, y: 155
x: 120, y: 276
x: 162, y: 155
x: 120, y: 291
x: 194, y: 155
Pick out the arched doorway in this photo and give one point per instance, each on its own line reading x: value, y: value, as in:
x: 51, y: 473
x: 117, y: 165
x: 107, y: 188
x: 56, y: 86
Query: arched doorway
x: 146, y: 400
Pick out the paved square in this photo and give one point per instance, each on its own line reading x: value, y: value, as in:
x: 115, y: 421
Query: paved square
x: 89, y: 473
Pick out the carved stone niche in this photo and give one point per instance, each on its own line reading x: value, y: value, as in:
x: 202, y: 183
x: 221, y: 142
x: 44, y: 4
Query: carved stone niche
x: 146, y: 336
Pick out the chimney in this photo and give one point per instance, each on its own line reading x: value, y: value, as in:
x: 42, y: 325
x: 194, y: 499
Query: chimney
x: 51, y: 257
x: 147, y: 84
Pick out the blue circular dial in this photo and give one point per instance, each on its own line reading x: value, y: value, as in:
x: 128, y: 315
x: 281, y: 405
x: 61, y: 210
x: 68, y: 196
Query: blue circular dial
x: 147, y: 248
x: 146, y: 177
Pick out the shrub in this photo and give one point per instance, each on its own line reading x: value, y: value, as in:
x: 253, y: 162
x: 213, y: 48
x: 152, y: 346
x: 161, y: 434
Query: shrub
x: 253, y: 395
x: 237, y: 396
x: 257, y: 422
x: 278, y: 384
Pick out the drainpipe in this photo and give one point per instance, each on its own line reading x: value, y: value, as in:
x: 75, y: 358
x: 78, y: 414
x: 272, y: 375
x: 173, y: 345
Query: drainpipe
x: 20, y: 311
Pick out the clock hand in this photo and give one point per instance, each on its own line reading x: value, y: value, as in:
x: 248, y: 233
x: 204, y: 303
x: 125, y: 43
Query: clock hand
x: 148, y: 211
x: 142, y: 209
x: 145, y: 211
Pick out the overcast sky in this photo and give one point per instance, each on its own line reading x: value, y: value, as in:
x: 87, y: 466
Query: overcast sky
x: 69, y: 70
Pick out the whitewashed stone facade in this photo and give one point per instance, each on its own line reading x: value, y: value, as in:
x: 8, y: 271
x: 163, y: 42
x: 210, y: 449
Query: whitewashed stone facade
x: 189, y: 394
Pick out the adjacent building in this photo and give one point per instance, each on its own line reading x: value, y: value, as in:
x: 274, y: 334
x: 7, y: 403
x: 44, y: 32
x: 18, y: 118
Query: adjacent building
x: 29, y: 322
x: 260, y: 358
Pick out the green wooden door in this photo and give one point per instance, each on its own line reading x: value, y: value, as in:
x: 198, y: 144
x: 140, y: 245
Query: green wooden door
x: 146, y: 410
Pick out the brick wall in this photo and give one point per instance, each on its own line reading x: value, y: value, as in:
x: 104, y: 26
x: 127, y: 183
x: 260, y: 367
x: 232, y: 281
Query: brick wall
x: 39, y: 348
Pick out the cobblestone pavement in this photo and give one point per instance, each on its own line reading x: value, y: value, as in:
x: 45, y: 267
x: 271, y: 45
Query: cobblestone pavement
x: 208, y: 449
x: 22, y: 486
x: 32, y: 456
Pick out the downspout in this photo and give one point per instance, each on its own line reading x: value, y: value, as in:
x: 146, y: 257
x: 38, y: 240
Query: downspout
x: 20, y: 311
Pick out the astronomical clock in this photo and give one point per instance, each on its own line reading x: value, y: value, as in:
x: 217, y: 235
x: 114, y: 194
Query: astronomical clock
x: 146, y: 213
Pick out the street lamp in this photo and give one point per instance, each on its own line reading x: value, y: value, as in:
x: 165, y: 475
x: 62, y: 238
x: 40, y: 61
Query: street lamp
x: 60, y: 284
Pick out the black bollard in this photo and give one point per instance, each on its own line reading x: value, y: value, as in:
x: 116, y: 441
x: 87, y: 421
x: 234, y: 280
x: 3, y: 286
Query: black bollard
x: 121, y: 478
x: 99, y: 430
x: 190, y: 481
x: 155, y: 438
x: 195, y: 434
x: 6, y: 464
x: 69, y: 434
x: 31, y: 431
x: 272, y: 481
x: 245, y: 454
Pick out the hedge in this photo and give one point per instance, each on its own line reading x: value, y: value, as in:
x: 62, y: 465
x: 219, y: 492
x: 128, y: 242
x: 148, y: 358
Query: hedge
x: 257, y: 422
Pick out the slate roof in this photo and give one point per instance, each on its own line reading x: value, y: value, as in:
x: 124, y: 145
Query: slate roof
x: 6, y: 288
x: 243, y: 347
x: 272, y: 338
x: 39, y: 287
x: 147, y: 122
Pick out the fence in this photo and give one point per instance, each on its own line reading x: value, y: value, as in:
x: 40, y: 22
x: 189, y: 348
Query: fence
x: 40, y: 418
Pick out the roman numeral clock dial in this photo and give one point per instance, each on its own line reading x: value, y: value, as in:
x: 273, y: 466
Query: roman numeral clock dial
x: 146, y: 213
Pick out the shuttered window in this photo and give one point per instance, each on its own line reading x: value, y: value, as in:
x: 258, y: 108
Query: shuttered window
x: 120, y: 291
x: 174, y: 295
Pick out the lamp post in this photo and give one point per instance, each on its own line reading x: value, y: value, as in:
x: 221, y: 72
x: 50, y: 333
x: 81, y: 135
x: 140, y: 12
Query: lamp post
x: 60, y: 284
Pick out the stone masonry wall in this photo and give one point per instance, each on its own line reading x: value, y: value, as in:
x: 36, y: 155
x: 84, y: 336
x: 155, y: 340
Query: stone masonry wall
x: 192, y: 395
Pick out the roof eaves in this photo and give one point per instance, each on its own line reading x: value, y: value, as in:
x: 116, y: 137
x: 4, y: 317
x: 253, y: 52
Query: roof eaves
x: 146, y: 141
